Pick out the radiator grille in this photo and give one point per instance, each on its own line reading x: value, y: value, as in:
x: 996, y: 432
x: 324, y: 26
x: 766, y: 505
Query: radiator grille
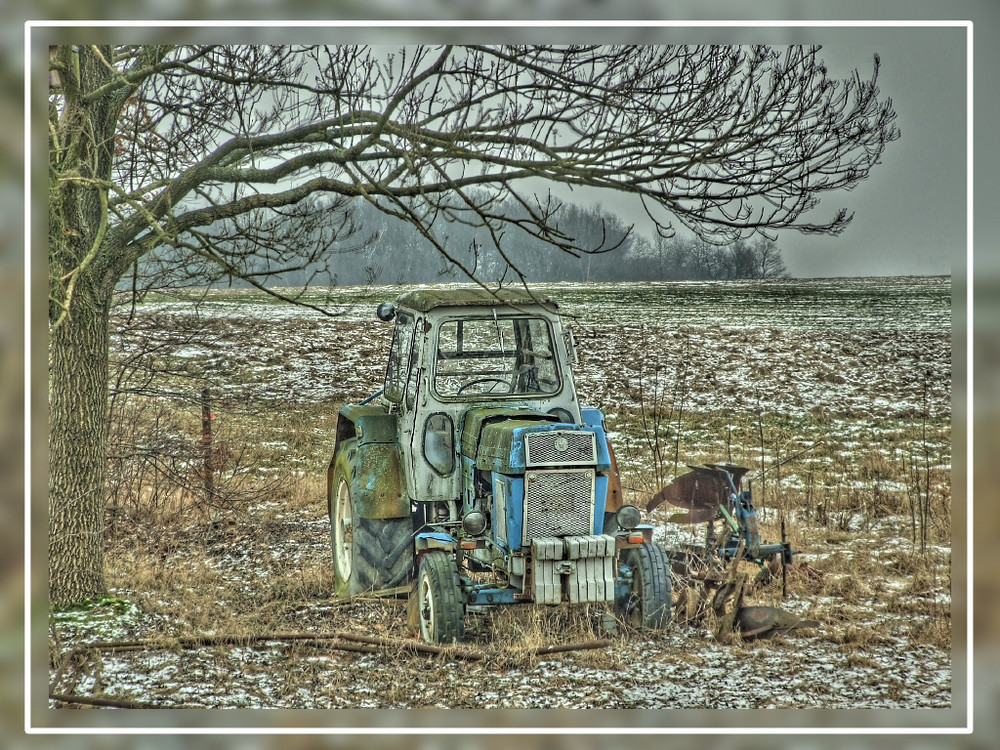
x: 560, y: 448
x: 558, y: 503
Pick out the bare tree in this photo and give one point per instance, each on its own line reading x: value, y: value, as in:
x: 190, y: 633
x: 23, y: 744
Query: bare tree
x: 769, y: 262
x: 740, y: 261
x: 186, y: 155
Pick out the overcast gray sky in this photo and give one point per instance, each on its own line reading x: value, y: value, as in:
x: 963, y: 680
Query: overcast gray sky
x: 910, y: 214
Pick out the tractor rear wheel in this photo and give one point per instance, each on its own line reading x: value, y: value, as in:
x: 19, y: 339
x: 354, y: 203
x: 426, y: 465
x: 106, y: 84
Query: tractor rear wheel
x: 648, y: 603
x: 368, y: 553
x: 440, y: 605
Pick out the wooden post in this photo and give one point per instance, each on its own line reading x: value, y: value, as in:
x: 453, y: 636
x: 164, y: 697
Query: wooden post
x: 784, y: 567
x: 760, y: 432
x: 207, y: 467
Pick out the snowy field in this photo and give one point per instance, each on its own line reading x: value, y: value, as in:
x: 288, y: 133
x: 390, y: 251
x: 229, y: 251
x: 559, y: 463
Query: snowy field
x: 840, y: 383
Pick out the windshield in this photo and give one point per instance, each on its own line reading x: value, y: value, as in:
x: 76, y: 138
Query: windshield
x: 496, y: 356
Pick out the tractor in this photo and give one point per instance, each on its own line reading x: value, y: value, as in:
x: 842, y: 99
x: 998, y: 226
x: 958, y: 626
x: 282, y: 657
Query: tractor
x: 476, y: 478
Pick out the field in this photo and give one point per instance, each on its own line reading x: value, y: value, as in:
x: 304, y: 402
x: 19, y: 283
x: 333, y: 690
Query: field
x: 835, y: 393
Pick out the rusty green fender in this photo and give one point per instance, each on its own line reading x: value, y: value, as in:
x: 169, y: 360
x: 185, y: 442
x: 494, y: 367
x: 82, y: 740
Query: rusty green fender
x: 367, y: 454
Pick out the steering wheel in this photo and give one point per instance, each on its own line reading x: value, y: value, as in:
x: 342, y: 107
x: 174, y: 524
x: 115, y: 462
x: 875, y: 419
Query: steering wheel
x: 471, y: 383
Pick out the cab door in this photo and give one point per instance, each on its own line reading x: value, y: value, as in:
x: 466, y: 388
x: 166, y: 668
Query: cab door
x: 428, y: 428
x: 401, y: 377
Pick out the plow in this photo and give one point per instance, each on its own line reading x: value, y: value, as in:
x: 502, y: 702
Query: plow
x: 714, y: 495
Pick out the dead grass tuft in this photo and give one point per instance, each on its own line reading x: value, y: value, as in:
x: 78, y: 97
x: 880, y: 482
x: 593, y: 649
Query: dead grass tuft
x: 847, y: 587
x: 933, y: 629
x: 310, y: 582
x: 516, y: 633
x: 853, y: 637
x: 860, y: 661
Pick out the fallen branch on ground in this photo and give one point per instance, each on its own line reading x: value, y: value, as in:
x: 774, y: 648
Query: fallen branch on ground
x: 563, y: 647
x: 425, y: 648
x: 201, y: 641
x: 321, y: 640
x: 344, y: 641
x: 328, y: 640
x: 104, y: 702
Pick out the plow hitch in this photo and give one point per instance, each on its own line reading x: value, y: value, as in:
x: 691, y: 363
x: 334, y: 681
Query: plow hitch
x: 715, y: 492
x: 709, y: 494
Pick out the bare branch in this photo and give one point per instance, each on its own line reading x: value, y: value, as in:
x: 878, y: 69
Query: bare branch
x: 727, y: 141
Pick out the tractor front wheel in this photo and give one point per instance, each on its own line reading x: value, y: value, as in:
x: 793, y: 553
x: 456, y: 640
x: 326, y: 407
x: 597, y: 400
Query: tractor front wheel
x: 440, y: 605
x: 648, y: 603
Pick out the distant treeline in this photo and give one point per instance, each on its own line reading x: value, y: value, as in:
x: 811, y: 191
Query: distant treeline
x: 599, y: 247
x: 398, y: 254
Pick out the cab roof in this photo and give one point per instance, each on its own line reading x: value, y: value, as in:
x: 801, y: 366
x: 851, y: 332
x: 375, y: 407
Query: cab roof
x: 424, y: 300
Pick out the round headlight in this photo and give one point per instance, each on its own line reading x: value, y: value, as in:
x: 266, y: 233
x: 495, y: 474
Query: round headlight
x: 628, y: 517
x: 474, y: 522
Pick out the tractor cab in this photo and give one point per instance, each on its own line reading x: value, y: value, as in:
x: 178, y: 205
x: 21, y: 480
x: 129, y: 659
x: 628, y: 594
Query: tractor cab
x: 454, y: 354
x: 477, y: 474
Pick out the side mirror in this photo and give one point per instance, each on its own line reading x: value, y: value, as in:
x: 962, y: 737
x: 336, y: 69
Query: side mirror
x: 386, y: 311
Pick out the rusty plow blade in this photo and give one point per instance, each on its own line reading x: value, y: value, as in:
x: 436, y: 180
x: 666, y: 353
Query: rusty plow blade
x: 700, y: 492
x: 766, y: 622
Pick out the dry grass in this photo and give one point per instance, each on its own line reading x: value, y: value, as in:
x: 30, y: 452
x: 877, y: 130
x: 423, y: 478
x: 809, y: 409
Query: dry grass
x: 514, y: 635
x: 867, y: 504
x: 181, y: 562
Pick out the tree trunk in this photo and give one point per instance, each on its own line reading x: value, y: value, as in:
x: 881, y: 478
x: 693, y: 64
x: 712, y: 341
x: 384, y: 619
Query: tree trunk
x: 84, y: 265
x: 78, y: 429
